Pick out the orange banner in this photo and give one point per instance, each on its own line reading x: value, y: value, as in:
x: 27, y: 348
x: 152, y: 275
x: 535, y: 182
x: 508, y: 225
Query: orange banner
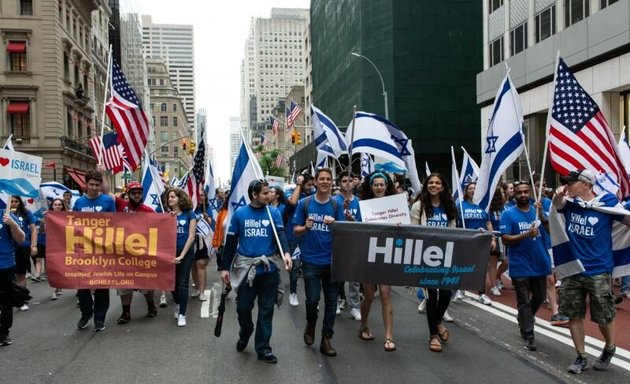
x: 110, y: 250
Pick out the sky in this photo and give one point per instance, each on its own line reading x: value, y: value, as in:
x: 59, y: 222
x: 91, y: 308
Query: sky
x: 220, y: 30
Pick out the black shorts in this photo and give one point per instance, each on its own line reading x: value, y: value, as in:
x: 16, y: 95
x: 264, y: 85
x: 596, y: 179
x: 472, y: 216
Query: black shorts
x: 22, y: 260
x: 202, y: 253
x: 41, y: 252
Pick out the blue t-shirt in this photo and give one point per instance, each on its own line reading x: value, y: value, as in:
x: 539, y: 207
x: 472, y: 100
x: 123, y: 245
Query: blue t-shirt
x: 316, y: 244
x: 528, y: 257
x: 255, y: 233
x: 103, y: 203
x: 474, y: 216
x: 439, y: 218
x: 289, y: 212
x: 353, y: 206
x: 25, y: 225
x: 41, y: 233
x: 590, y: 237
x: 7, y: 247
x: 281, y: 207
x: 546, y: 205
x: 183, y: 226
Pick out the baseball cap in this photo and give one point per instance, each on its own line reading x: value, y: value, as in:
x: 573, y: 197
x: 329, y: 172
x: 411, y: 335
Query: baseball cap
x: 579, y: 175
x: 133, y: 185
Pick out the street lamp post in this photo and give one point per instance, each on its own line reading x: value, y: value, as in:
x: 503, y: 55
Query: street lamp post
x: 380, y: 77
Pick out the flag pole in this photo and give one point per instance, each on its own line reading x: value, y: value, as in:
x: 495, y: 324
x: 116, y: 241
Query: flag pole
x: 153, y: 178
x: 459, y: 187
x: 8, y: 141
x: 107, y: 86
x: 354, y: 114
x: 546, y: 148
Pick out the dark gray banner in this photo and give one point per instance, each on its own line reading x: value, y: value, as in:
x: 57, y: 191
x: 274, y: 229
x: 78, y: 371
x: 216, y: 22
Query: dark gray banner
x: 410, y: 255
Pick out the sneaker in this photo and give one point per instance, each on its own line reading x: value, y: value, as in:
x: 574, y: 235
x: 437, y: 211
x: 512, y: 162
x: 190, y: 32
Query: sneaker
x: 151, y: 309
x: 499, y: 284
x: 176, y: 311
x: 83, y: 321
x: 35, y: 279
x: 268, y: 358
x: 342, y: 304
x: 603, y: 360
x: 163, y: 303
x: 355, y: 313
x: 241, y: 345
x: 485, y: 300
x: 459, y: 295
x: 558, y: 320
x: 579, y: 365
x: 54, y: 296
x: 99, y: 326
x: 195, y: 293
x: 530, y: 345
x: 293, y: 300
x: 124, y: 318
x: 181, y: 321
x: 422, y: 307
x: 24, y: 307
x: 338, y: 311
x: 203, y: 297
x: 447, y: 317
x: 495, y: 291
x: 5, y: 340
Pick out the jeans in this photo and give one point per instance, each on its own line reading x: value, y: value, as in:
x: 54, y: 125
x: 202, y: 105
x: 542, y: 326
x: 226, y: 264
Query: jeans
x: 437, y: 303
x: 266, y: 288
x: 317, y: 278
x: 7, y: 276
x: 182, y: 279
x: 96, y: 306
x: 530, y: 294
x: 354, y: 295
x: 295, y: 269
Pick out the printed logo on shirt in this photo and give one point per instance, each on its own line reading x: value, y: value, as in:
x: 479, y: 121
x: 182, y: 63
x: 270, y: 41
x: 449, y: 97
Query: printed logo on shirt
x: 96, y: 208
x: 438, y: 220
x: 582, y: 225
x: 256, y: 228
x: 318, y: 222
x: 473, y: 213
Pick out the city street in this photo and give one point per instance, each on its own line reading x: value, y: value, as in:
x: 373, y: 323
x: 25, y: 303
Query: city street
x: 484, y: 347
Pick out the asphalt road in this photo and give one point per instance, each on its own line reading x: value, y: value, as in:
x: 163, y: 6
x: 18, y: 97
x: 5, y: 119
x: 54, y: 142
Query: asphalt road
x: 484, y: 348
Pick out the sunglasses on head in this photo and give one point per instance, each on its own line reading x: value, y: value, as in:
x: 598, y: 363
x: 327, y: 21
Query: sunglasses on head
x: 519, y: 182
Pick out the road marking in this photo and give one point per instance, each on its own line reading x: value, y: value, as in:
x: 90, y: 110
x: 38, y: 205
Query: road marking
x: 593, y: 345
x: 205, y: 305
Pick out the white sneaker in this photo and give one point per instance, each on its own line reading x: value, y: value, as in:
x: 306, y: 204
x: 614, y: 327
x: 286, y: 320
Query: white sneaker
x: 500, y: 284
x: 54, y: 296
x: 355, y: 313
x: 163, y: 303
x: 24, y: 308
x: 447, y: 317
x: 459, y: 295
x: 495, y: 291
x: 485, y: 300
x: 181, y: 321
x: 176, y: 311
x: 293, y: 300
x: 203, y: 297
x: 338, y: 311
x: 195, y: 293
x: 422, y: 307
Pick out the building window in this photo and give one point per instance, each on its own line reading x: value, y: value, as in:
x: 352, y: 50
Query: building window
x: 163, y: 136
x: 604, y: 3
x: 66, y: 66
x: 163, y: 121
x: 574, y: 11
x: 176, y: 151
x: 163, y: 107
x: 496, y: 51
x: 19, y: 119
x: 546, y: 23
x: 69, y: 123
x: 164, y: 150
x: 151, y: 107
x: 16, y: 50
x: 518, y: 39
x: 26, y: 7
x: 153, y: 121
x: 174, y: 107
x: 175, y: 121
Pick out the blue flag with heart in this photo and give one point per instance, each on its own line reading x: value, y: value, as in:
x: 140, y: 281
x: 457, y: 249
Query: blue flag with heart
x: 20, y: 173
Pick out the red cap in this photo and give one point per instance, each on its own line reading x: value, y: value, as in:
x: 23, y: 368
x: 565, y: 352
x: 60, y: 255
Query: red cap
x: 134, y: 185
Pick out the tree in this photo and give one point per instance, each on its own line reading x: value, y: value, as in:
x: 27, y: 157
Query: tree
x: 267, y: 160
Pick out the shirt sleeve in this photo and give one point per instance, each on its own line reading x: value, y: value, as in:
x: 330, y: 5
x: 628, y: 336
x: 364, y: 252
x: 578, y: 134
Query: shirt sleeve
x: 506, y: 226
x: 298, y: 217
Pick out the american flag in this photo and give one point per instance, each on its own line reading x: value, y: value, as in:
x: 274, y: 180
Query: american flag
x: 263, y: 139
x: 108, y: 151
x: 194, y: 180
x: 292, y: 113
x: 126, y: 114
x: 274, y: 125
x: 579, y: 136
x: 279, y: 160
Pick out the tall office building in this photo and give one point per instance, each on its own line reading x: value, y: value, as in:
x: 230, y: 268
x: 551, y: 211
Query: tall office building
x: 273, y: 62
x: 593, y: 38
x: 173, y: 43
x: 235, y: 140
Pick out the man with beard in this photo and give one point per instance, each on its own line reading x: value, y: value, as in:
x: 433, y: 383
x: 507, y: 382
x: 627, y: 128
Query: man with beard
x: 529, y: 261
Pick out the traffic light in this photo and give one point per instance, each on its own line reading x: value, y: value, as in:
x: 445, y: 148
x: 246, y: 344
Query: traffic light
x: 293, y: 136
x: 184, y: 144
x: 298, y: 139
x: 192, y: 147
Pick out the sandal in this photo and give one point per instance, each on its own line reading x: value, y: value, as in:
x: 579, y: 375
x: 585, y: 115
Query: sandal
x: 434, y: 344
x: 444, y: 335
x: 365, y: 334
x: 389, y: 342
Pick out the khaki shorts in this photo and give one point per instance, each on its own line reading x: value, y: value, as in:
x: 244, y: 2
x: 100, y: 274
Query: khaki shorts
x: 573, y: 293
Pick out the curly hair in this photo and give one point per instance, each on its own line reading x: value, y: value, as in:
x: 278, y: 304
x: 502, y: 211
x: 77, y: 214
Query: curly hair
x: 446, y: 198
x: 366, y: 190
x: 185, y: 204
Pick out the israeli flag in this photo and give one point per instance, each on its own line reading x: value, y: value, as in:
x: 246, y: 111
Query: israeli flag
x: 327, y: 133
x: 367, y: 164
x: 504, y: 142
x: 469, y: 173
x: 373, y: 134
x: 152, y: 186
x: 9, y: 143
x: 246, y: 169
x: 321, y: 159
x: 426, y: 168
x: 203, y: 228
x: 606, y: 183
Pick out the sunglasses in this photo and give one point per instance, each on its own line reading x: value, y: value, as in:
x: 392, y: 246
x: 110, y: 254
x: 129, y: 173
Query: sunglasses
x: 519, y: 182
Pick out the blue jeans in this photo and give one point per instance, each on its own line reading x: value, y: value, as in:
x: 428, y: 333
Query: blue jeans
x: 316, y: 278
x: 97, y: 306
x: 266, y: 288
x: 295, y: 269
x: 182, y: 278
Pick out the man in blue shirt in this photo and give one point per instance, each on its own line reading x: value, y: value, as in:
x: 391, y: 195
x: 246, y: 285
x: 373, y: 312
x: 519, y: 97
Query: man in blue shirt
x: 590, y: 240
x: 10, y: 234
x: 94, y: 201
x: 251, y: 227
x: 529, y: 260
x: 313, y: 217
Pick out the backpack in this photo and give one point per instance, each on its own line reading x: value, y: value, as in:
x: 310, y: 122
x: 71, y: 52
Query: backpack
x: 307, y: 202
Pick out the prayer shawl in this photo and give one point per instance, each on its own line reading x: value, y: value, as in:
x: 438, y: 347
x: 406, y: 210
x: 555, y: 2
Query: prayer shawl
x: 565, y: 259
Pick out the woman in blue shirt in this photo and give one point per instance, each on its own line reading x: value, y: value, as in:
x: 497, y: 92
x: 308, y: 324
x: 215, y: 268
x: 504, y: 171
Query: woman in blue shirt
x: 10, y: 234
x: 28, y: 247
x: 180, y: 207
